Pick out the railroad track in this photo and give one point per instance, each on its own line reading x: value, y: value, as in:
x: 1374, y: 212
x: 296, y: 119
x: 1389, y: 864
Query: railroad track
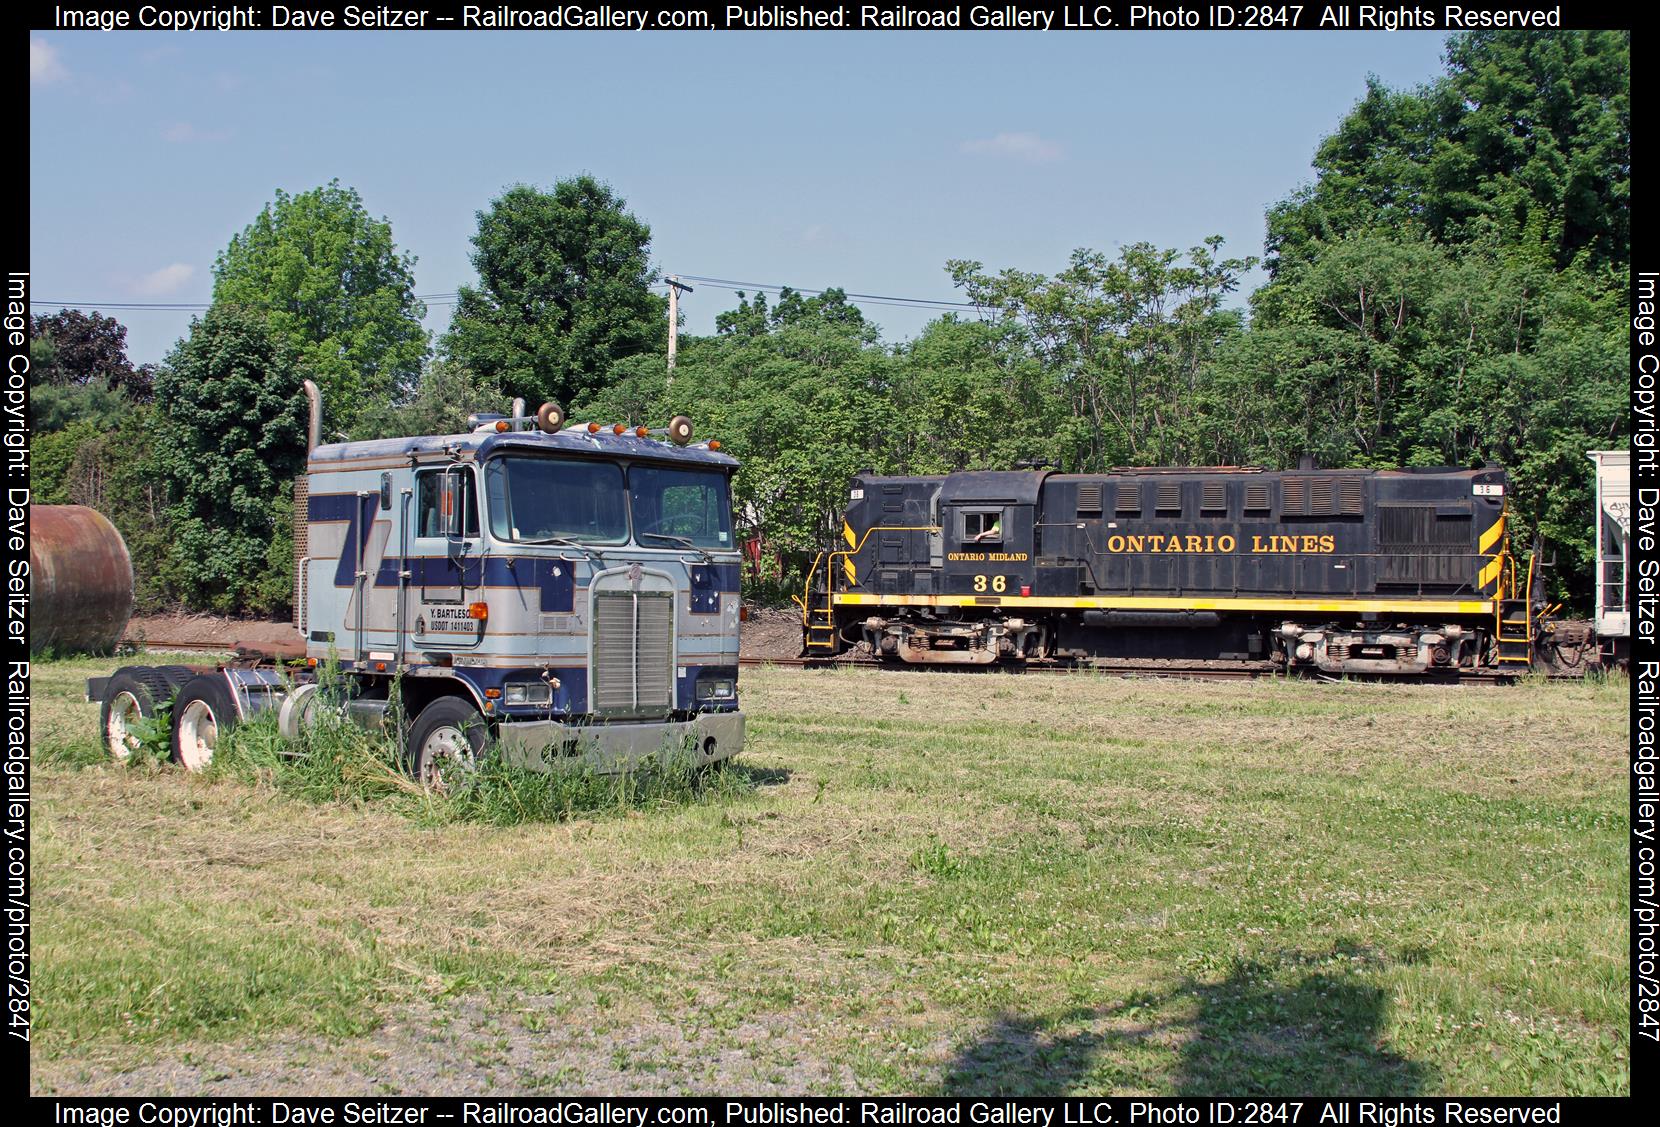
x: 1176, y: 671
x: 1099, y: 669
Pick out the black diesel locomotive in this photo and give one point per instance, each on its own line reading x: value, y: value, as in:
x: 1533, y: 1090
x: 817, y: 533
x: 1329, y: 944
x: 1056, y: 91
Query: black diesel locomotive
x: 1343, y: 571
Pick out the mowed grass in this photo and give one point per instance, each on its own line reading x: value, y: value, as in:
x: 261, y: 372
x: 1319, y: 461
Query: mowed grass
x: 927, y: 882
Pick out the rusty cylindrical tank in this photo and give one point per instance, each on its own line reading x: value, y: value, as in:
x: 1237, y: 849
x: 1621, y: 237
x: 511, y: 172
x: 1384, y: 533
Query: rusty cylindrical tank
x: 80, y: 580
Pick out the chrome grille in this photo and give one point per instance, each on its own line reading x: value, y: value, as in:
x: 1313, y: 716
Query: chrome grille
x: 633, y: 670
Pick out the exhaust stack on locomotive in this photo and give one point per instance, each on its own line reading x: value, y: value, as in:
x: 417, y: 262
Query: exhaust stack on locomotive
x: 1339, y: 571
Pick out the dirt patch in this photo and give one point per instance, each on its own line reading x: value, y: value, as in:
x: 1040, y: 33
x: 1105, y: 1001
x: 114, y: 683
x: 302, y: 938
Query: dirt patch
x: 771, y: 632
x: 212, y: 632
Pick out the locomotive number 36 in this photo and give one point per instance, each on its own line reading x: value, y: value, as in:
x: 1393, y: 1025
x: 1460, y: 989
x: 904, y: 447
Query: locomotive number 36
x: 998, y: 582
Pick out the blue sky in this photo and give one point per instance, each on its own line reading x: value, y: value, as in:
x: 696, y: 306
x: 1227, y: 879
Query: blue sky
x: 863, y: 160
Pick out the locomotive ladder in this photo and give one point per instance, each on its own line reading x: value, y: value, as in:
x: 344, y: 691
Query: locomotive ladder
x: 1515, y: 619
x: 817, y: 614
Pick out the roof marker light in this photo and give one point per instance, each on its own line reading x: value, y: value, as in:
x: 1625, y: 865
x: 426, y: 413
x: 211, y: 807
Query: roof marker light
x: 593, y: 428
x: 618, y: 428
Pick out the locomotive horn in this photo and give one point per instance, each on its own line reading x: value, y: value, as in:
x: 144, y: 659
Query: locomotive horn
x: 550, y: 417
x: 680, y: 430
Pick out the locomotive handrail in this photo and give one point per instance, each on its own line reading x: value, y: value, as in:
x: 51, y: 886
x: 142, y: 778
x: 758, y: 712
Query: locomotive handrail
x: 829, y: 561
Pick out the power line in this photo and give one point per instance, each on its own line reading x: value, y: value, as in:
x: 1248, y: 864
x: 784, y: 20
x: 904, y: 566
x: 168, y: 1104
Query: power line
x: 453, y: 297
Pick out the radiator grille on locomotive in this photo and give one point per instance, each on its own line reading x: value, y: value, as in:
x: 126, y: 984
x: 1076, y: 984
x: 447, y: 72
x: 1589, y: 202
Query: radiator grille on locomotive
x: 633, y: 653
x: 1089, y: 498
x: 1417, y: 546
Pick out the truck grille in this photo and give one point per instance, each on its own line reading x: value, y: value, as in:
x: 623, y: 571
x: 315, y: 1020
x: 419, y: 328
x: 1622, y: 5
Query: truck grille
x: 633, y: 672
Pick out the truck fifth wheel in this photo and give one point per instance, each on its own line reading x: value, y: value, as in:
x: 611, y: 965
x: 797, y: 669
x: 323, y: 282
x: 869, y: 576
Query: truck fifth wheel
x: 569, y: 590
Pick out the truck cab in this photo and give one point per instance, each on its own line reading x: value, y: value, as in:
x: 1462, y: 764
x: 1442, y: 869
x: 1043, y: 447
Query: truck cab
x: 570, y: 591
x: 574, y: 587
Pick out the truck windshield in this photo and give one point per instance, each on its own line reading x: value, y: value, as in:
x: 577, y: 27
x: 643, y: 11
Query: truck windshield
x: 540, y: 498
x: 687, y: 506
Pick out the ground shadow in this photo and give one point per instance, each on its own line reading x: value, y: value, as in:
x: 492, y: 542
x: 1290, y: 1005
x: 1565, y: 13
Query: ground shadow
x: 1283, y: 1024
x: 1277, y: 1025
x: 758, y: 776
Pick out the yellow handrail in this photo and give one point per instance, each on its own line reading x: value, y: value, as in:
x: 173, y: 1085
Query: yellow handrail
x: 829, y: 561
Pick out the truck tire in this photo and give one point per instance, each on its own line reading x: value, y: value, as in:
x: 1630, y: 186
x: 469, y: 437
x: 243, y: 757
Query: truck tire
x: 178, y: 676
x: 133, y: 694
x: 203, y: 713
x: 445, y: 742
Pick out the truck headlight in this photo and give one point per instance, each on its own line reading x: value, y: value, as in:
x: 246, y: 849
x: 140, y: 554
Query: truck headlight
x: 723, y: 688
x: 527, y: 692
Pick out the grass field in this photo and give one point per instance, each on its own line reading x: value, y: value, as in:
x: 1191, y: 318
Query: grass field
x: 917, y: 883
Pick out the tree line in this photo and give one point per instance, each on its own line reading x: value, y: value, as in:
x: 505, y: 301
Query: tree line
x: 1450, y: 288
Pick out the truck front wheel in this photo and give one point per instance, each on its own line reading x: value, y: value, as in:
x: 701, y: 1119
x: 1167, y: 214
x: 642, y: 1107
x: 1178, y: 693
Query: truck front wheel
x: 445, y: 742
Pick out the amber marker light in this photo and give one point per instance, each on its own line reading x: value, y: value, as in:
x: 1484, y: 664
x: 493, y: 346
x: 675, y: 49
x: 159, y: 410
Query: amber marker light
x: 480, y: 611
x: 503, y: 426
x: 640, y: 432
x: 492, y: 693
x: 618, y: 428
x: 714, y: 444
x: 593, y: 428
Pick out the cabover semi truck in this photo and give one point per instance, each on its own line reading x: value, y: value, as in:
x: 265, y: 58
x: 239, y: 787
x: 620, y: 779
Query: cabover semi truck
x: 567, y: 590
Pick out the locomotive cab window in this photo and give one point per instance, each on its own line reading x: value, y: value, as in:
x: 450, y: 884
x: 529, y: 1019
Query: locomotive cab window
x: 982, y: 526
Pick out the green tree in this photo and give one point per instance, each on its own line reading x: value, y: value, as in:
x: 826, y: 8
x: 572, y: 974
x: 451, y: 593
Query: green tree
x: 1528, y: 134
x: 439, y: 403
x: 331, y: 284
x: 55, y: 406
x: 229, y: 436
x: 563, y: 293
x: 1127, y: 340
x: 797, y: 391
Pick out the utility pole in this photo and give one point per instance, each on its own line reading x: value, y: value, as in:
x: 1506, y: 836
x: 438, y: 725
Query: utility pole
x: 675, y: 286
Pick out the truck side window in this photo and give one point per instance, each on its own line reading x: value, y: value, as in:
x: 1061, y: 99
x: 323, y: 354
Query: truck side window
x: 429, y: 501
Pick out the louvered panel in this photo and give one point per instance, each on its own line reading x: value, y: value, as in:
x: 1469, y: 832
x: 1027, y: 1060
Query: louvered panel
x: 1351, y: 497
x: 633, y: 668
x: 1170, y: 497
x: 1294, y: 497
x: 1214, y: 497
x: 1129, y: 498
x: 1322, y: 501
x: 656, y: 663
x: 1257, y: 497
x: 1089, y: 498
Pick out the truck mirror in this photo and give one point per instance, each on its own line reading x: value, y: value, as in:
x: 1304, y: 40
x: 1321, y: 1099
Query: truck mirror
x: 453, y: 502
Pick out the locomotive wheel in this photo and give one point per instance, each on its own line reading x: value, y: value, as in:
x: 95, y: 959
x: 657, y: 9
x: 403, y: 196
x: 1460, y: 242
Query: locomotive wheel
x: 445, y: 742
x: 133, y: 695
x: 203, y: 713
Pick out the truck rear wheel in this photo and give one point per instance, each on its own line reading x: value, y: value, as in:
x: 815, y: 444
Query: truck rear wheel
x: 133, y: 695
x: 203, y: 713
x: 445, y: 742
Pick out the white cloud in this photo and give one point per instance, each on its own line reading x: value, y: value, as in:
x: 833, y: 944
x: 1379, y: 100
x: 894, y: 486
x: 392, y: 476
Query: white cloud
x: 1028, y: 147
x: 44, y: 65
x: 164, y: 282
x: 184, y: 133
